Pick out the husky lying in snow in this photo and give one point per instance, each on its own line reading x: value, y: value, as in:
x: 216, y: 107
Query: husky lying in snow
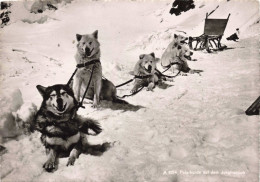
x: 63, y: 131
x: 146, y: 73
x: 88, y: 50
x: 177, y: 52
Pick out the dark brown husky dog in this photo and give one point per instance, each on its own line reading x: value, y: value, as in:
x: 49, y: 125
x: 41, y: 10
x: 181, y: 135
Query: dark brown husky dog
x: 63, y: 131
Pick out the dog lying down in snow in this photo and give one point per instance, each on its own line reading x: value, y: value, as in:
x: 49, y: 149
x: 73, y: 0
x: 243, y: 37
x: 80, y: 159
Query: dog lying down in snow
x: 146, y: 74
x: 63, y: 131
x: 178, y: 52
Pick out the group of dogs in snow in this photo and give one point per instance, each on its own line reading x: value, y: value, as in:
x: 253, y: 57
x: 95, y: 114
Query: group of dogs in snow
x: 63, y: 131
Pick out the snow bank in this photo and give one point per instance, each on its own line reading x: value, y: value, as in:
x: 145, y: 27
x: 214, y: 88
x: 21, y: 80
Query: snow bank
x: 8, y: 104
x: 40, y: 6
x: 27, y: 11
x: 16, y: 117
x: 25, y: 117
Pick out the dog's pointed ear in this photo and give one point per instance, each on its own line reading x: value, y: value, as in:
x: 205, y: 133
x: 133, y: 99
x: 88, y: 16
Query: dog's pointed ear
x: 78, y: 37
x: 15, y: 115
x: 175, y: 36
x: 179, y: 47
x: 95, y: 34
x: 152, y: 54
x: 141, y: 56
x: 41, y: 89
x: 70, y: 85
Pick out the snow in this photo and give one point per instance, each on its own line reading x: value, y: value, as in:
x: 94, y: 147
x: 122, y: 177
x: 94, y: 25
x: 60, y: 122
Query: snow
x: 9, y: 103
x: 196, y: 124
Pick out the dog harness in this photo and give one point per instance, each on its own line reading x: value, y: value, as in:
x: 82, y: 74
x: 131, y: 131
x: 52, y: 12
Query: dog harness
x: 82, y: 65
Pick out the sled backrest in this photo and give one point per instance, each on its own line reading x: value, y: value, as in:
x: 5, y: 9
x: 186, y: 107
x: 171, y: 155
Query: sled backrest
x: 215, y: 26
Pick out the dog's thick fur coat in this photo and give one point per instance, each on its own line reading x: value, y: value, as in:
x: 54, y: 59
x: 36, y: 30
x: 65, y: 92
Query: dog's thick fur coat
x: 177, y: 52
x: 63, y: 131
x: 146, y: 68
x: 88, y: 49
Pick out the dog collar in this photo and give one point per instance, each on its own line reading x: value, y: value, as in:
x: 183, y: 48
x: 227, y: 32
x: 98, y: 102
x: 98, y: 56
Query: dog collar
x: 82, y: 65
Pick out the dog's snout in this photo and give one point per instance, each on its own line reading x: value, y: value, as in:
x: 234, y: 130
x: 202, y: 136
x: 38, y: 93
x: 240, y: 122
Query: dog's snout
x: 60, y: 102
x: 149, y: 68
x: 191, y: 53
x: 87, y: 50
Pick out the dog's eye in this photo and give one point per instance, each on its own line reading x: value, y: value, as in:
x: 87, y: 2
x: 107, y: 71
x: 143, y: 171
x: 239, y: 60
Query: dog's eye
x: 53, y: 95
x: 83, y: 43
x: 63, y: 93
x: 90, y: 43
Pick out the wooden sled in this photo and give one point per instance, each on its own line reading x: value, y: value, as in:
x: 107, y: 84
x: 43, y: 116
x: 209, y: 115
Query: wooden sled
x: 211, y: 38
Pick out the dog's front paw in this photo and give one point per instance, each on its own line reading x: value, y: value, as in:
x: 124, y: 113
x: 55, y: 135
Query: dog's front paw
x: 133, y: 91
x: 49, y: 165
x: 170, y: 79
x: 150, y: 87
x: 95, y: 105
x: 184, y: 74
x: 71, y: 161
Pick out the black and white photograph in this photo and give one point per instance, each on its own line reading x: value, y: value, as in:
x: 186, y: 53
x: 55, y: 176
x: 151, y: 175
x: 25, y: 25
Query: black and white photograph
x: 129, y: 90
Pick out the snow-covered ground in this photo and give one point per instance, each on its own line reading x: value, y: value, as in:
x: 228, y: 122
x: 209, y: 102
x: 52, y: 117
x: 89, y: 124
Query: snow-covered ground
x: 197, y: 124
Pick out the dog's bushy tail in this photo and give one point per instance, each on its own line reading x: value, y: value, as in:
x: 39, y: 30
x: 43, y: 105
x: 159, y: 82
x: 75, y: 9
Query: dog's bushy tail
x: 87, y: 123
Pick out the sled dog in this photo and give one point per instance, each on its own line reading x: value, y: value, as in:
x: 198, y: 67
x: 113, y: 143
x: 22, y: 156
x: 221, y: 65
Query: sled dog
x: 63, y: 131
x: 146, y: 74
x: 177, y: 52
x: 88, y: 50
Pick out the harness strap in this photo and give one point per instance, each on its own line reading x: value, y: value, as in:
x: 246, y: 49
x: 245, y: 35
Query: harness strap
x: 165, y: 69
x: 90, y: 78
x: 131, y: 94
x: 88, y: 63
x: 125, y: 83
x: 80, y: 104
x: 161, y: 74
x: 71, y: 78
x: 136, y: 76
x: 168, y: 67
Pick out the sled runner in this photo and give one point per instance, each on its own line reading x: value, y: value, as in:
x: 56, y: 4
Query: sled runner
x: 213, y: 32
x: 254, y: 108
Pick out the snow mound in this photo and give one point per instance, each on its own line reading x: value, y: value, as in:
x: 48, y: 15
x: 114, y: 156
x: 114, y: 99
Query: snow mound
x: 40, y: 6
x: 25, y: 117
x: 156, y: 42
x: 9, y: 102
x: 28, y: 11
x: 39, y: 20
x: 16, y: 117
